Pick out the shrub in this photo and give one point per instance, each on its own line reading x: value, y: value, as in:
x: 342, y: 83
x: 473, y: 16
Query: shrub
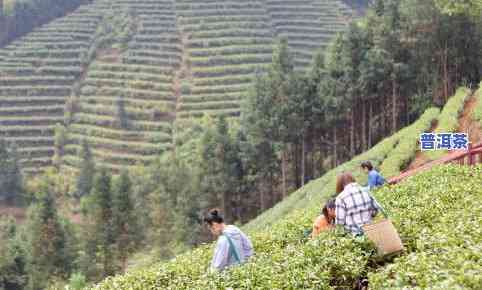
x: 438, y: 215
x: 477, y: 113
x: 185, y: 88
x: 448, y: 119
x: 421, y: 208
x: 408, y: 145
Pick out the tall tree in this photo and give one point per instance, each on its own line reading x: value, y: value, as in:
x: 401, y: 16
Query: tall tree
x: 124, y: 219
x: 99, y: 240
x: 87, y: 170
x: 10, y: 173
x: 46, y: 243
x: 13, y: 274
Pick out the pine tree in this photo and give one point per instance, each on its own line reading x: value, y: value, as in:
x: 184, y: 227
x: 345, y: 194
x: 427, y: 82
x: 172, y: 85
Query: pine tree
x: 163, y: 217
x: 13, y: 274
x: 87, y: 170
x: 10, y: 173
x: 124, y: 219
x: 46, y: 243
x: 102, y: 213
x: 97, y: 259
x: 265, y: 119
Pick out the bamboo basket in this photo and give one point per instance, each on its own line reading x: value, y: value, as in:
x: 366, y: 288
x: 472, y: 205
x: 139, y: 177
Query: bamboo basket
x: 385, y: 236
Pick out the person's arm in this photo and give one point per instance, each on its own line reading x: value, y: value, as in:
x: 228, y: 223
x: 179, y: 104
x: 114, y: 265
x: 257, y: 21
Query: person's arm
x: 221, y: 254
x: 340, y: 212
x: 372, y: 180
x: 375, y: 207
x: 381, y: 179
x: 246, y: 245
x: 316, y: 228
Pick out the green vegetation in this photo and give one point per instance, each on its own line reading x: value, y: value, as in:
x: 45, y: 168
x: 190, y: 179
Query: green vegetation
x: 422, y: 208
x: 132, y: 93
x: 477, y: 113
x: 126, y: 85
x: 283, y: 258
x: 23, y: 15
x: 448, y: 119
x: 12, y: 256
x: 48, y: 254
x: 33, y: 95
x: 11, y: 183
x: 405, y: 150
x: 300, y: 23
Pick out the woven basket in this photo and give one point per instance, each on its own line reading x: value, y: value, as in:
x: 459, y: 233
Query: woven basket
x: 384, y: 235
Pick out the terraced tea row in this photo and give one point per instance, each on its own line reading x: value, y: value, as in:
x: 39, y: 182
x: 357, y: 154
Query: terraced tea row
x: 226, y: 42
x: 126, y: 104
x: 181, y: 59
x: 37, y: 73
x: 308, y: 25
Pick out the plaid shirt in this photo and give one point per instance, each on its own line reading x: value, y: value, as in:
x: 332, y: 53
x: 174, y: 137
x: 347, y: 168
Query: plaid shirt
x: 355, y: 207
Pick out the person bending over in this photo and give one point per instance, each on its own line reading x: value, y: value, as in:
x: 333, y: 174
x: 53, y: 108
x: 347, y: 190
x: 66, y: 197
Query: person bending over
x: 354, y: 205
x: 326, y: 220
x: 232, y: 247
x: 375, y: 179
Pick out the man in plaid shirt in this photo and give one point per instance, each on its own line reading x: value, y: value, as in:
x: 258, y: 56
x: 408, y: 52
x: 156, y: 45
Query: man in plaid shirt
x: 355, y: 206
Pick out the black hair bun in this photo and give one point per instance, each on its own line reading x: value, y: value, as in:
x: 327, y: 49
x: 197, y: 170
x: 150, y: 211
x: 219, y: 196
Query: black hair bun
x: 214, y: 213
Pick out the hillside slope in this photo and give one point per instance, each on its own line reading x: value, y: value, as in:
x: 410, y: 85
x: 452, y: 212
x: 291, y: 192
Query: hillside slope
x: 277, y: 232
x: 391, y: 155
x: 150, y: 63
x: 421, y: 208
x: 283, y: 255
x: 37, y: 73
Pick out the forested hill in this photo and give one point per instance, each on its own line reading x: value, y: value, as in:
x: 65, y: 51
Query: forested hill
x: 120, y: 73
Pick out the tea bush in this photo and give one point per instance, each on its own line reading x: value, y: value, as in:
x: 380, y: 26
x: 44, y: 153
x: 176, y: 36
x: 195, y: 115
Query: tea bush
x: 437, y: 214
x: 477, y: 113
x: 408, y: 145
x: 284, y: 260
x: 448, y: 119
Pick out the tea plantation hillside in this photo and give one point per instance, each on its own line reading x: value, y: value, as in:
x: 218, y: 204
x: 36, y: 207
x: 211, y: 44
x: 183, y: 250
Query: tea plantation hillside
x: 421, y: 208
x: 126, y: 103
x: 37, y: 73
x: 307, y: 24
x: 119, y: 74
x: 391, y: 155
x: 426, y: 209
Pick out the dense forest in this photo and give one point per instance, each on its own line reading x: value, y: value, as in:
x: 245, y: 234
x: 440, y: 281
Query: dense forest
x: 294, y: 125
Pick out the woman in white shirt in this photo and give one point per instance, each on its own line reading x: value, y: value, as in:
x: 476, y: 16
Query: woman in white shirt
x: 233, y: 246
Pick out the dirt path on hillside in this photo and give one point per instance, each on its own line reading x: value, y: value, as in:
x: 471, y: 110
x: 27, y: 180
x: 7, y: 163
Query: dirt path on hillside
x: 466, y: 124
x: 183, y: 72
x: 420, y: 158
x: 19, y: 214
